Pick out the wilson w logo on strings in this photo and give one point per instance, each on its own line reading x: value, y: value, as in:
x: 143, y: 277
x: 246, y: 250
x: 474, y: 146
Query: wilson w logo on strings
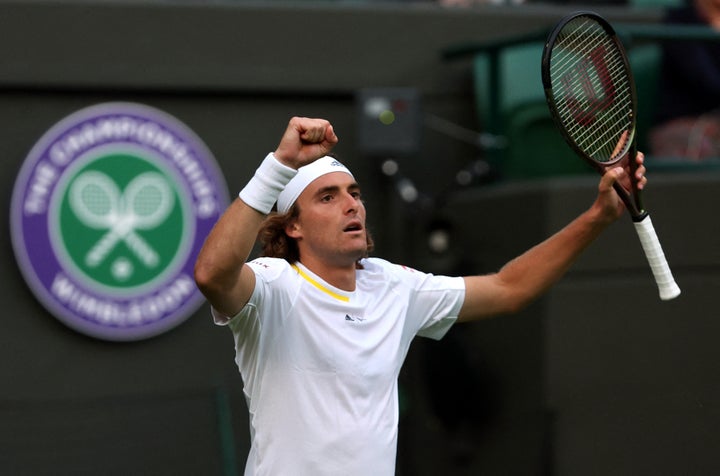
x: 588, y: 88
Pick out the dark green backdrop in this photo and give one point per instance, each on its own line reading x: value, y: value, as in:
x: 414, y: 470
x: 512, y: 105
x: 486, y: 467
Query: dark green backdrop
x: 599, y: 377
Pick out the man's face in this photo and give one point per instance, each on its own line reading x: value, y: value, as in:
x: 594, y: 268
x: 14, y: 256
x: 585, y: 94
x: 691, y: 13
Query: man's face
x: 331, y: 223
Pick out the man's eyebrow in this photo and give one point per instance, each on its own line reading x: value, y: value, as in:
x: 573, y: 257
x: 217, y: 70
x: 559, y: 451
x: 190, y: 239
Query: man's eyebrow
x: 328, y: 189
x: 336, y: 188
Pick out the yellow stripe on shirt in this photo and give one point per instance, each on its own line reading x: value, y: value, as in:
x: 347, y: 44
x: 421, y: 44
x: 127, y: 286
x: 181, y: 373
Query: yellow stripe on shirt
x: 320, y: 286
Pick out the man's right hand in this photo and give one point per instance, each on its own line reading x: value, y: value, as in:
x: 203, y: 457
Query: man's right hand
x: 304, y: 141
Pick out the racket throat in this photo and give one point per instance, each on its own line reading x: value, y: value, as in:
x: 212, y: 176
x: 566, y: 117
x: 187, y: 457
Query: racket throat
x: 636, y: 211
x: 642, y: 214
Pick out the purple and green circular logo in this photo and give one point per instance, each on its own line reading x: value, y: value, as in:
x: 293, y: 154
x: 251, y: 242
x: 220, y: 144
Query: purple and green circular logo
x: 109, y: 212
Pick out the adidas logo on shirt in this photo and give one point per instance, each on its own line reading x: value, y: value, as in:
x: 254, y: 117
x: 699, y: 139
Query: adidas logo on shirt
x: 348, y: 317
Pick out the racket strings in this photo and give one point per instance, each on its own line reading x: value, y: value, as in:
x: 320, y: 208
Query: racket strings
x: 602, y: 140
x: 607, y: 126
x: 592, y: 89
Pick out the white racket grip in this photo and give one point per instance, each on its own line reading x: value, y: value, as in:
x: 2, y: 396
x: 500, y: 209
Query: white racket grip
x: 655, y: 256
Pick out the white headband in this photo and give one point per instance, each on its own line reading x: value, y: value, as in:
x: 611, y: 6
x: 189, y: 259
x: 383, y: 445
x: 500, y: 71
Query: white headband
x: 305, y: 175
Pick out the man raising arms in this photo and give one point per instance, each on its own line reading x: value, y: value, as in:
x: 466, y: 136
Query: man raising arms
x: 321, y: 329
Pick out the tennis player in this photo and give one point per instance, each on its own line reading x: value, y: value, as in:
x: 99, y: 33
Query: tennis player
x: 321, y: 329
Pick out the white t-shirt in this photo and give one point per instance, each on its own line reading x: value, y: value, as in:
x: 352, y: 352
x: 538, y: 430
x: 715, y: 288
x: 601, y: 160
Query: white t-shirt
x: 320, y: 365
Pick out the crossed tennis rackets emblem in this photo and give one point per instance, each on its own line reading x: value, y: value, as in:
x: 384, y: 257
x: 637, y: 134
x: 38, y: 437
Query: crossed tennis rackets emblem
x: 144, y: 204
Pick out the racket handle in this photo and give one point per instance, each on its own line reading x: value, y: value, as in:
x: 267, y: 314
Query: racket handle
x: 655, y: 256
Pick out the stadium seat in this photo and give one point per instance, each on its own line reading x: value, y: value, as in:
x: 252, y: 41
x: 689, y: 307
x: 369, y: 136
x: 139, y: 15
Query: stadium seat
x: 519, y: 111
x: 534, y: 147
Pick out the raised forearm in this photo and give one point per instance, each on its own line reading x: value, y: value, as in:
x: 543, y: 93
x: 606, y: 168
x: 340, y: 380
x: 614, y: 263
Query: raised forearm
x: 220, y: 270
x: 529, y: 275
x: 525, y: 278
x: 536, y: 270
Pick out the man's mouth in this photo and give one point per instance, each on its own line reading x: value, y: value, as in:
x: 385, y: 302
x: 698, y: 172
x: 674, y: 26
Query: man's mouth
x: 355, y: 226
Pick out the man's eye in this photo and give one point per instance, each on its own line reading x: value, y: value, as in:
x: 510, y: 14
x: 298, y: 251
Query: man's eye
x: 326, y: 198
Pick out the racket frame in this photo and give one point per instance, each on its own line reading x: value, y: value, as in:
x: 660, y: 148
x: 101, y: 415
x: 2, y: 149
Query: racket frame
x: 625, y: 155
x: 622, y: 156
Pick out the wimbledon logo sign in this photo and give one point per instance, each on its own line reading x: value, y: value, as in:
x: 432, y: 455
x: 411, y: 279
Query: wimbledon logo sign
x: 109, y: 212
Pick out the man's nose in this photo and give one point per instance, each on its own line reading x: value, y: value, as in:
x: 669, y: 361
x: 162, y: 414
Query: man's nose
x: 351, y: 203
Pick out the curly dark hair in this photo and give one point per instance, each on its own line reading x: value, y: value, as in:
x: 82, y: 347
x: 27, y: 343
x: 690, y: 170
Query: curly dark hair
x: 275, y: 243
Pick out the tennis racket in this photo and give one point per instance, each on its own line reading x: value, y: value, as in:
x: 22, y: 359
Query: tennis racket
x: 591, y: 94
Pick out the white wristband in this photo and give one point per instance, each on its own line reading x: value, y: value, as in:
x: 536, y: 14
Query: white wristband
x: 262, y: 191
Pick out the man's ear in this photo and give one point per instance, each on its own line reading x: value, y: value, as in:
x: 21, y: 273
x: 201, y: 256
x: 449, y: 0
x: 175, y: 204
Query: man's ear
x: 292, y: 229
